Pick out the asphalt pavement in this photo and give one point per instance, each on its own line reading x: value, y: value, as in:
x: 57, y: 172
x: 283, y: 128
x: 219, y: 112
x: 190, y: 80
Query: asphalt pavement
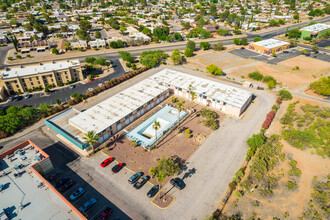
x: 64, y: 94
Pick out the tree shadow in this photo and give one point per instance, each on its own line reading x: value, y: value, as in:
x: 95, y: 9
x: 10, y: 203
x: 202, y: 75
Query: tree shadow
x: 189, y: 173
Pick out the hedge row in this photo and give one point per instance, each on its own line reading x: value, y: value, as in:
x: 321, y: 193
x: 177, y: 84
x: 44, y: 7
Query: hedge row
x: 270, y: 116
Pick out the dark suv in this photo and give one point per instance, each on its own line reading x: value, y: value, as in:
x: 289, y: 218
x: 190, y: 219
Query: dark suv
x: 141, y: 182
x: 135, y: 177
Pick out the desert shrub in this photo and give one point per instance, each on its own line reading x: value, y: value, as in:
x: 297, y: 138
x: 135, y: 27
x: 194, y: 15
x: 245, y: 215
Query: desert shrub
x: 256, y: 75
x: 285, y: 94
x: 206, y: 113
x: 188, y: 135
x: 211, y: 123
x: 238, y: 194
x: 322, y: 86
x: 294, y: 171
x: 133, y: 143
x: 291, y: 185
x: 187, y: 131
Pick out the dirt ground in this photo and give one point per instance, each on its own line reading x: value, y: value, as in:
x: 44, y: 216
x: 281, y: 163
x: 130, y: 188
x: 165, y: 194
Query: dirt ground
x: 176, y: 145
x: 284, y: 200
x: 309, y: 69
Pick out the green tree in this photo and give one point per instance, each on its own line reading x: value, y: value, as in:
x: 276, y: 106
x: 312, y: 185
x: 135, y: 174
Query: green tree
x: 236, y: 41
x: 97, y: 34
x: 85, y: 25
x: 294, y: 33
x: 223, y: 32
x: 176, y: 56
x: 58, y: 102
x: 205, y: 45
x: 156, y: 126
x: 90, y: 138
x: 244, y: 41
x: 15, y: 41
x: 55, y: 51
x: 126, y: 56
x: 256, y: 140
x: 90, y: 59
x: 256, y: 39
x: 315, y: 48
x: 213, y: 69
x: 191, y: 45
x: 188, y: 52
x: 179, y: 107
x: 165, y: 167
x: 45, y: 107
x: 218, y: 46
x: 271, y: 84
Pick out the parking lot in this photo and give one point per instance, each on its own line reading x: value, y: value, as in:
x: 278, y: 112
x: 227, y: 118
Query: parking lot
x: 248, y: 54
x: 89, y: 175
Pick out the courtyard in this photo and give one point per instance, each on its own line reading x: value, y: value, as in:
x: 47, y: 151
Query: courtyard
x: 175, y: 145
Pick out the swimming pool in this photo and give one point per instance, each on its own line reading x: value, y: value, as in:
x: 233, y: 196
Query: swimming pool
x: 144, y: 134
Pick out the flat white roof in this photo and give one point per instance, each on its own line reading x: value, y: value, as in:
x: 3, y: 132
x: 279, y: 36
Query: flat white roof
x: 44, y: 68
x: 219, y: 91
x: 113, y: 109
x: 108, y: 112
x: 316, y: 27
x: 270, y: 43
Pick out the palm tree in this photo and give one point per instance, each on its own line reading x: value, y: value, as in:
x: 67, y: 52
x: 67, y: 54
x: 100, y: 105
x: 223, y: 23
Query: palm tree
x: 179, y: 107
x: 90, y: 138
x: 156, y: 126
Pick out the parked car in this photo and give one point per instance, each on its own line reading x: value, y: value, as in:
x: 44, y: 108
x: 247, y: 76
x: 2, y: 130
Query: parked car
x: 87, y: 205
x: 100, y: 84
x: 67, y: 186
x: 178, y: 183
x: 27, y: 96
x: 153, y: 191
x: 117, y: 168
x: 2, y: 187
x: 62, y: 181
x: 77, y: 194
x: 106, y: 162
x: 135, y: 177
x: 141, y: 182
x: 71, y: 86
x: 90, y: 89
x: 10, y: 99
x: 105, y: 214
x: 16, y: 98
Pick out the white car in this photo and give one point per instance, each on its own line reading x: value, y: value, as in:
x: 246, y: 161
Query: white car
x: 100, y: 84
x: 90, y: 89
x: 77, y: 194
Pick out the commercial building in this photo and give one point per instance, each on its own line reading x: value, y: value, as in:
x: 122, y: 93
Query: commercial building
x: 313, y: 30
x: 26, y: 193
x: 269, y: 46
x: 23, y: 78
x: 115, y: 113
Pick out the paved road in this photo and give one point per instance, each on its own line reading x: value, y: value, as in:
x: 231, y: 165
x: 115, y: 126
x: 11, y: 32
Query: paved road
x: 168, y: 48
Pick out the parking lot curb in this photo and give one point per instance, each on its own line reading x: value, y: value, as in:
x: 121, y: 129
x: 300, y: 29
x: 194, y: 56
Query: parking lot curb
x: 159, y: 206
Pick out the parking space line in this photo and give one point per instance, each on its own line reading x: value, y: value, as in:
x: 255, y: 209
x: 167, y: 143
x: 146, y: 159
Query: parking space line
x: 71, y: 189
x: 99, y: 212
x: 81, y: 197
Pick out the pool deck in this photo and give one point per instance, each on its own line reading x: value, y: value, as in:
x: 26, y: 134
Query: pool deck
x: 167, y: 116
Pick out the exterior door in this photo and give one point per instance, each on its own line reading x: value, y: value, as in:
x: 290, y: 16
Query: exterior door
x: 119, y: 127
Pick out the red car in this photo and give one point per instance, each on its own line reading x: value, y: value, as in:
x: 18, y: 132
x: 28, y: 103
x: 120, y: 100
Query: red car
x: 106, y: 162
x: 117, y: 168
x: 105, y: 214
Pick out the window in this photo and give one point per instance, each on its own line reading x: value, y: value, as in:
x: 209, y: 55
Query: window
x: 31, y: 83
x: 37, y: 77
x: 39, y: 82
x: 52, y: 80
x: 66, y: 77
x: 17, y: 86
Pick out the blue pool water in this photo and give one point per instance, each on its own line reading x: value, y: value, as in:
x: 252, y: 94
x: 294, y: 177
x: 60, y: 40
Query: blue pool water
x: 144, y: 133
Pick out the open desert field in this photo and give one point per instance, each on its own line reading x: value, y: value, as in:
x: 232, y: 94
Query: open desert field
x: 283, y: 72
